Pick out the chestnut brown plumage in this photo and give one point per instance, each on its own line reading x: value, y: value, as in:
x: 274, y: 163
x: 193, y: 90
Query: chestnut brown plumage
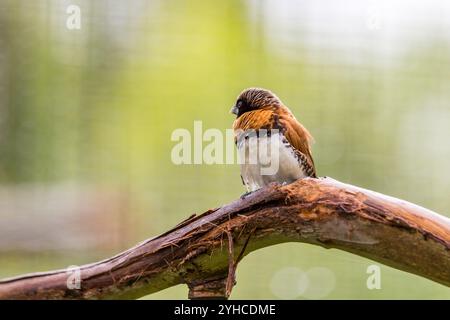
x: 257, y: 109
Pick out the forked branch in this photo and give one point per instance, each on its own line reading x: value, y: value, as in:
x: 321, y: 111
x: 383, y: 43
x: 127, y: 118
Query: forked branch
x: 203, y: 251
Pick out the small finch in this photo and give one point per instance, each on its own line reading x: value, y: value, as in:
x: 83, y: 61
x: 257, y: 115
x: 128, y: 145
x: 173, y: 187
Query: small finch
x: 262, y: 120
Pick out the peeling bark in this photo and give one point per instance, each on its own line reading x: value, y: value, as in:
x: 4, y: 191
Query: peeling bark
x: 203, y: 250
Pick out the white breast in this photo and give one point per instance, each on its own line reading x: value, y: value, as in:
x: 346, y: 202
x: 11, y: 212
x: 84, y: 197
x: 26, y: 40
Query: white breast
x: 267, y: 159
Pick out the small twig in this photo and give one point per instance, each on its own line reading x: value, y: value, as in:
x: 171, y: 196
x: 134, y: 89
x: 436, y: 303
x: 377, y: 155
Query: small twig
x: 231, y: 265
x: 241, y: 254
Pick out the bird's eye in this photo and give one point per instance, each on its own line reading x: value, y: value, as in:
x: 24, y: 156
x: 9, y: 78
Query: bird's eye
x: 239, y: 104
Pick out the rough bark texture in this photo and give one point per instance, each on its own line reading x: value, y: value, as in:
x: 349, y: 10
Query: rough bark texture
x: 203, y: 251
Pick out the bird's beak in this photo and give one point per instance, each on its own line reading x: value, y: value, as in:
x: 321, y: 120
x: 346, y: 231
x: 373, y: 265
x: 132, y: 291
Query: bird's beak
x: 234, y: 110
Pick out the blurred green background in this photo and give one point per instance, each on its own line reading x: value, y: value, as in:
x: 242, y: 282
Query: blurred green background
x: 86, y: 118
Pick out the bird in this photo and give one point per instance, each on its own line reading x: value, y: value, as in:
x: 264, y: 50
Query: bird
x: 263, y: 121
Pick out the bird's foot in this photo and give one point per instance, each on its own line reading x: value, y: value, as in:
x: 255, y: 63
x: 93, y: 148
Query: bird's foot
x: 246, y: 194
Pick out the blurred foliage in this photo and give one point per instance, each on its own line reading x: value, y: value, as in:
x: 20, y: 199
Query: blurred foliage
x: 98, y: 105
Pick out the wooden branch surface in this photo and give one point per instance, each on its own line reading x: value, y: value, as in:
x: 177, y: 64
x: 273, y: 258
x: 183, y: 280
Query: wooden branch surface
x: 203, y: 251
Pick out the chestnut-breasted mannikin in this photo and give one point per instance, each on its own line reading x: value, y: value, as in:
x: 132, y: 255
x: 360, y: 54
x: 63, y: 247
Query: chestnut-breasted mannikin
x: 261, y: 120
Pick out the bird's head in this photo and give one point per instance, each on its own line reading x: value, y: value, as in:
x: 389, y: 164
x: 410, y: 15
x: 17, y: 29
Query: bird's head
x: 255, y: 99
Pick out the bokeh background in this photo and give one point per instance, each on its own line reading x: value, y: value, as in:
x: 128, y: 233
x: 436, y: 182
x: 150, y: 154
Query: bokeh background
x: 86, y: 118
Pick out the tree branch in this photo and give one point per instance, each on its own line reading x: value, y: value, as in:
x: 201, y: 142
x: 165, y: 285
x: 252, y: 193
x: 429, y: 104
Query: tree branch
x: 203, y: 251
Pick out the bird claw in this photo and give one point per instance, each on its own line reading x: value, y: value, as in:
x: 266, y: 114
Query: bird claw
x: 246, y: 194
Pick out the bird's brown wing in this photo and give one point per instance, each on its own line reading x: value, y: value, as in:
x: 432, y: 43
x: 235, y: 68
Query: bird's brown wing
x: 299, y: 138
